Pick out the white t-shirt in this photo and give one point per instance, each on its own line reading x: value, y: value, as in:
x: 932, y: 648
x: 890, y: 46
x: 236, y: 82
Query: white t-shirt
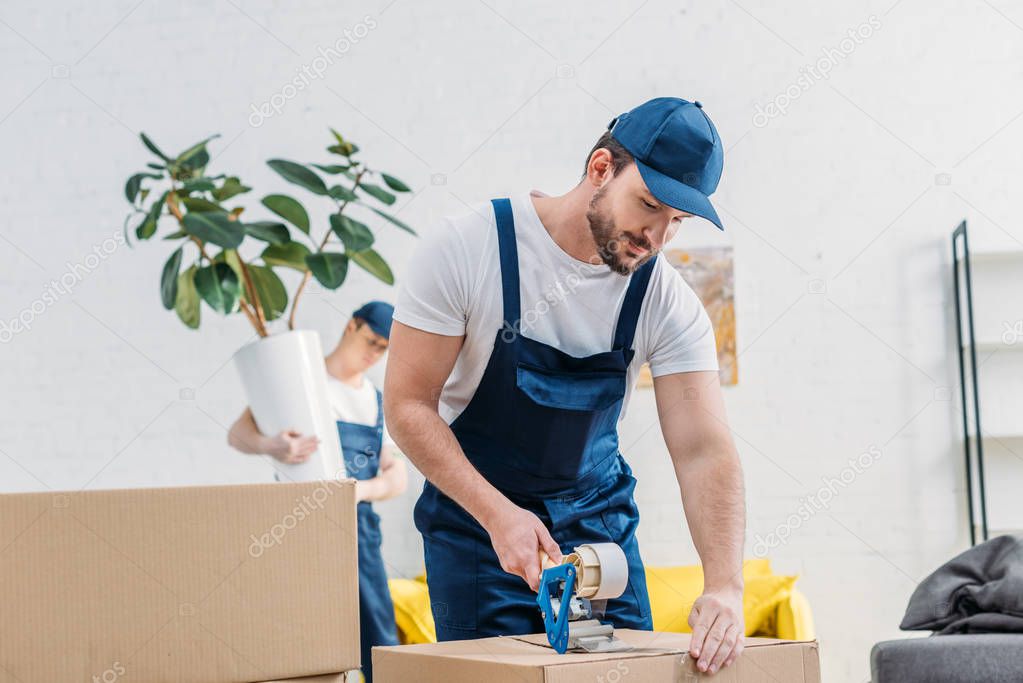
x: 356, y: 405
x: 452, y: 286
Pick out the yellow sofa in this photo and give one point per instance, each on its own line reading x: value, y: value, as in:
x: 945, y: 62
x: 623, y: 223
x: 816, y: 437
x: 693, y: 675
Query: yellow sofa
x: 771, y: 604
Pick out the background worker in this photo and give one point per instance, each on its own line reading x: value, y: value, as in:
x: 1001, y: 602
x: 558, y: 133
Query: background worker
x: 369, y: 456
x: 519, y: 333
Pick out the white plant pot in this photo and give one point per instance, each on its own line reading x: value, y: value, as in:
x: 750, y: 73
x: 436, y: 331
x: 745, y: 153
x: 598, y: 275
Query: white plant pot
x: 285, y: 381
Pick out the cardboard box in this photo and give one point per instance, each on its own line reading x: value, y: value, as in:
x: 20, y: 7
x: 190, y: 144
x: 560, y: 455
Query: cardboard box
x: 225, y: 584
x: 529, y: 659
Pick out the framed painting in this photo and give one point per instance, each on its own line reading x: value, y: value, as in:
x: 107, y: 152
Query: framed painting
x: 710, y: 272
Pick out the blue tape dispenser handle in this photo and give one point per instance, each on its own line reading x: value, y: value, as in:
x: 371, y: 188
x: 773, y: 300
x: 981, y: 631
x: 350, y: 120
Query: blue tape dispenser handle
x: 556, y: 625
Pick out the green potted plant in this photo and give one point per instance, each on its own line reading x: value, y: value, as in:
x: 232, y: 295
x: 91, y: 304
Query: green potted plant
x: 283, y: 373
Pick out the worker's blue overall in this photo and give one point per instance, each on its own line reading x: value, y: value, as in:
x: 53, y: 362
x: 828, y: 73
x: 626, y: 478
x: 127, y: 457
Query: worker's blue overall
x: 361, y: 446
x: 542, y: 428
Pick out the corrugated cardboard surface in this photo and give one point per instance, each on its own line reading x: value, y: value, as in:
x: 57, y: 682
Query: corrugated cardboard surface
x: 528, y: 659
x: 225, y: 584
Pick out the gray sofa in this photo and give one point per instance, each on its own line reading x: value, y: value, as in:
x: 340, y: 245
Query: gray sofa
x: 970, y: 658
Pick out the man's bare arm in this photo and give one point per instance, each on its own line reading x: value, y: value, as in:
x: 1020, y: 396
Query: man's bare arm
x: 692, y: 416
x: 245, y: 436
x: 289, y: 446
x: 418, y: 364
x: 391, y: 479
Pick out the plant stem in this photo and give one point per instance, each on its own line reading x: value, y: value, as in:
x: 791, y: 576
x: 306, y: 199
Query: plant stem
x: 261, y: 331
x: 172, y: 204
x: 294, y: 301
x: 251, y: 289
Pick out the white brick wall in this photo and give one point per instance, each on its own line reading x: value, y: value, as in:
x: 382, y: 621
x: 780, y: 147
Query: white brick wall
x: 499, y: 97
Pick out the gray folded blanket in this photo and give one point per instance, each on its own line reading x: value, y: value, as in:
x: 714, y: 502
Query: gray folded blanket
x: 978, y: 591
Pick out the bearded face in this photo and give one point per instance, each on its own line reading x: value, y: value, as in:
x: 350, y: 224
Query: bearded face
x: 620, y: 249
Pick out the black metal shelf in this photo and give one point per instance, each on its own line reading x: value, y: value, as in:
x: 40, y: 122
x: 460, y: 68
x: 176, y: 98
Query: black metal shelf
x: 973, y: 442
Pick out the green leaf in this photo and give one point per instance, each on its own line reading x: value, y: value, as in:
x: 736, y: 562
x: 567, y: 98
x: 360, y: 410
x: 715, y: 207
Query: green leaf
x: 374, y: 264
x: 195, y: 163
x: 175, y: 235
x: 186, y: 305
x: 198, y: 185
x: 391, y: 219
x: 395, y: 184
x: 195, y: 156
x: 148, y: 226
x: 218, y: 286
x: 378, y: 192
x: 290, y: 255
x: 215, y: 228
x: 169, y: 280
x: 200, y: 205
x: 298, y: 174
x: 156, y: 167
x: 343, y: 147
x: 273, y: 297
x: 342, y: 194
x: 269, y: 231
x: 230, y: 188
x: 231, y: 258
x: 134, y: 185
x: 346, y: 149
x: 355, y: 235
x: 289, y: 209
x: 153, y: 148
x: 329, y: 268
x: 331, y: 169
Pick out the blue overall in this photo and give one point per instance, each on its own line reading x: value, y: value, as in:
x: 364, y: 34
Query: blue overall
x: 542, y: 428
x: 361, y: 446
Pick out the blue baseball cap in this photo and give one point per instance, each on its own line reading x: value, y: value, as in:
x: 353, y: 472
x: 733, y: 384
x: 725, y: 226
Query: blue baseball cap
x: 677, y: 150
x: 377, y: 315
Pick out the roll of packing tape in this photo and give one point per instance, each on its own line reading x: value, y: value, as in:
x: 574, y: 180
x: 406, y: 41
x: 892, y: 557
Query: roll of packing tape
x: 603, y: 571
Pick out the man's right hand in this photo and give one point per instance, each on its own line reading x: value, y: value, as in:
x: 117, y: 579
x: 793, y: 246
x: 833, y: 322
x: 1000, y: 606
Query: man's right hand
x: 291, y: 447
x: 518, y: 536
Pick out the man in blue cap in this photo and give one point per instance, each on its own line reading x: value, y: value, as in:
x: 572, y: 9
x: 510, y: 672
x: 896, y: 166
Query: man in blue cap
x: 519, y: 333
x: 369, y: 458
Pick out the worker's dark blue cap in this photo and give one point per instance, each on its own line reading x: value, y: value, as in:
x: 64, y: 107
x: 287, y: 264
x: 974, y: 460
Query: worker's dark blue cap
x: 677, y: 150
x: 377, y: 315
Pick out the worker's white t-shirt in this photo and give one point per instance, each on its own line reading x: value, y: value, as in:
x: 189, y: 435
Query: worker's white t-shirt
x: 452, y: 286
x: 357, y: 405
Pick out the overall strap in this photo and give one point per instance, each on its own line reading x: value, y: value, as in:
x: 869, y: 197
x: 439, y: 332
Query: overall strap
x: 629, y: 316
x: 509, y: 261
x: 380, y: 408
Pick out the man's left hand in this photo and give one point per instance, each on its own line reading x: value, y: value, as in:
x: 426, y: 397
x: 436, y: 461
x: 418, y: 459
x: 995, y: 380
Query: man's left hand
x: 718, y: 628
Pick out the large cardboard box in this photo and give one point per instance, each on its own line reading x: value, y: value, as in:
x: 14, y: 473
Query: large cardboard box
x: 223, y: 584
x: 655, y: 657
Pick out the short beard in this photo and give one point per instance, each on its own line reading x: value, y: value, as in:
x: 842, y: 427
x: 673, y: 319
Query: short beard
x: 609, y: 241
